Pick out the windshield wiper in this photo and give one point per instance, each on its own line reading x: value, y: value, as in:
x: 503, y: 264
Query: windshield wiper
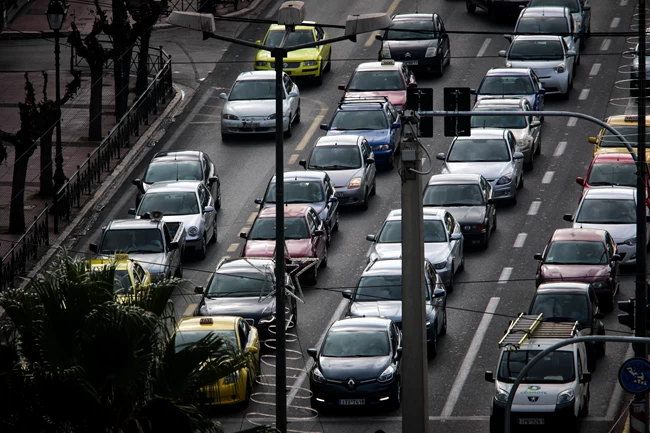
x: 339, y: 167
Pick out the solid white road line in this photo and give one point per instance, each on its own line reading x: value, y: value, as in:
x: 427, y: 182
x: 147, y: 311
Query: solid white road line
x: 623, y: 3
x: 505, y: 275
x: 584, y: 94
x: 470, y: 356
x: 520, y: 240
x: 559, y: 150
x: 233, y: 247
x: 534, y: 207
x: 615, y: 22
x: 483, y: 48
x: 389, y: 12
x: 572, y: 121
x: 605, y: 45
x: 595, y: 69
x: 548, y: 177
x: 310, y: 362
x: 312, y: 128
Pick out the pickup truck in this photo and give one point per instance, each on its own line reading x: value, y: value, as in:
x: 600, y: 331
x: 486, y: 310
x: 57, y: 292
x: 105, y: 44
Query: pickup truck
x: 156, y: 245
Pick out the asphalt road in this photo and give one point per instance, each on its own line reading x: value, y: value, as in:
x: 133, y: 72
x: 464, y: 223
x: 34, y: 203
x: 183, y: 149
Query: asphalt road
x: 500, y: 279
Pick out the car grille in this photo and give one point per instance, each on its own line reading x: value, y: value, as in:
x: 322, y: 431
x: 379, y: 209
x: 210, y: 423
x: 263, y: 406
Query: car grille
x: 288, y: 65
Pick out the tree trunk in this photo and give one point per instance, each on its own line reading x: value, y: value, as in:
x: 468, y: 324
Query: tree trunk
x: 97, y: 82
x: 17, y: 209
x: 126, y: 78
x: 143, y: 60
x: 46, y: 186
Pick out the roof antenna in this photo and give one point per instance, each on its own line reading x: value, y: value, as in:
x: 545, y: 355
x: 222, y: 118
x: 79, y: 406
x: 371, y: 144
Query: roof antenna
x: 417, y: 3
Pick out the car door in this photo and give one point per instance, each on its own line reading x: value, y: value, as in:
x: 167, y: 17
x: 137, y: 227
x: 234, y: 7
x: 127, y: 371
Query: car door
x: 443, y: 37
x: 368, y: 168
x: 395, y: 133
x: 452, y: 227
x: 372, y: 168
x: 533, y: 131
x: 490, y: 209
x: 289, y: 86
x: 539, y: 97
x: 208, y: 217
x: 612, y: 249
x: 395, y: 344
x: 431, y: 281
x: 517, y: 163
x: 569, y: 61
x: 324, y: 50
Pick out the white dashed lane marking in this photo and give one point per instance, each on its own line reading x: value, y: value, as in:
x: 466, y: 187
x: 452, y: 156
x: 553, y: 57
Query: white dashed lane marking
x: 594, y: 69
x: 483, y: 48
x: 584, y: 94
x: 505, y: 275
x: 623, y: 3
x: 572, y: 121
x: 534, y: 207
x: 615, y: 22
x: 520, y: 240
x: 559, y: 150
x: 548, y: 177
x: 293, y: 158
x: 605, y: 45
x: 251, y: 218
x: 233, y: 247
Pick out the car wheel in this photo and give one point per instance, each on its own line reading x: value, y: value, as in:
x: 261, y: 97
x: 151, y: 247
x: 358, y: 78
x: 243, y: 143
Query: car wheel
x: 471, y: 8
x: 396, y: 398
x: 213, y: 238
x: 443, y: 330
x: 584, y: 410
x: 494, y: 223
x: 531, y: 164
x: 391, y: 163
x: 461, y: 268
x: 328, y: 236
x: 323, y: 262
x: 432, y: 347
x: 319, y: 79
x: 486, y: 241
x: 179, y: 271
x: 609, y: 303
x: 335, y: 227
x: 288, y: 132
x: 296, y: 119
x: 601, y: 349
x: 225, y: 137
x: 450, y: 286
x: 201, y: 253
x: 582, y: 41
x: 328, y: 67
x: 247, y: 398
x: 364, y: 205
x: 217, y: 202
x: 538, y: 151
x: 440, y: 69
x: 591, y: 360
x: 373, y: 191
x: 521, y: 182
x: 312, y: 277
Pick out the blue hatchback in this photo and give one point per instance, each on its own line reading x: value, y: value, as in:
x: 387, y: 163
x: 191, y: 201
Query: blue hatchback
x: 376, y: 119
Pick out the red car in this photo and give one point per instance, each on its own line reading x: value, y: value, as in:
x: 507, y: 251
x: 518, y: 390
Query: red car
x: 386, y: 78
x: 582, y: 256
x: 617, y: 169
x: 304, y: 234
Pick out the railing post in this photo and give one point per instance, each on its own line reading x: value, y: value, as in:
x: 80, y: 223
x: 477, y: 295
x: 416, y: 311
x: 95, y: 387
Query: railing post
x: 56, y: 212
x: 47, y: 227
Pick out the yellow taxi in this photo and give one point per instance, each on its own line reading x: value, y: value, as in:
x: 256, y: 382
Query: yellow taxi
x: 306, y: 62
x: 627, y: 126
x: 129, y: 274
x: 236, y: 388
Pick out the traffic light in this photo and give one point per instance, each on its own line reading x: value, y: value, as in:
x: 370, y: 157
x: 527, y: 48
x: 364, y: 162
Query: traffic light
x: 628, y: 307
x: 421, y: 99
x: 457, y: 99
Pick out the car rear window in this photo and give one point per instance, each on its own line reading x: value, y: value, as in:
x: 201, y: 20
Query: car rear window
x: 297, y: 37
x: 562, y: 307
x: 434, y: 231
x: 183, y: 339
x: 365, y: 81
x: 496, y: 85
x: 335, y: 158
x: 236, y: 285
x: 453, y: 195
x: 571, y: 4
x: 607, y: 211
x: 298, y: 192
x: 505, y: 122
x: 411, y: 31
x: 576, y: 253
x: 359, y: 120
x: 613, y: 174
x: 265, y: 229
x: 132, y: 241
x: 173, y: 203
x: 479, y: 150
x: 173, y: 170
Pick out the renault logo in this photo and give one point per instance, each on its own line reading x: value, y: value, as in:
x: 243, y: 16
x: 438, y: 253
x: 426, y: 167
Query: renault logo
x: 407, y: 55
x: 351, y: 383
x: 533, y: 399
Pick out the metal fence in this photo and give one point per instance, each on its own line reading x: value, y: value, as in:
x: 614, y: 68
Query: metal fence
x: 26, y: 248
x: 89, y: 173
x: 153, y: 62
x: 206, y: 6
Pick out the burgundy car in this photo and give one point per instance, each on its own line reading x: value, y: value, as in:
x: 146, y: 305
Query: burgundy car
x: 582, y: 256
x: 304, y: 233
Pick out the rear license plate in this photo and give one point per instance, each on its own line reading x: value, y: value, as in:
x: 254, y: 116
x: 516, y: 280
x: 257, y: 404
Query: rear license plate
x: 530, y: 421
x: 410, y: 62
x: 338, y: 194
x: 352, y: 402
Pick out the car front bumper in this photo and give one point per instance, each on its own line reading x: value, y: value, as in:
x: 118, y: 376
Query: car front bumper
x: 265, y: 126
x: 383, y: 157
x: 627, y: 253
x: 225, y: 394
x: 560, y: 416
x: 556, y: 83
x: 350, y: 197
x: 298, y: 69
x: 504, y: 192
x: 372, y: 393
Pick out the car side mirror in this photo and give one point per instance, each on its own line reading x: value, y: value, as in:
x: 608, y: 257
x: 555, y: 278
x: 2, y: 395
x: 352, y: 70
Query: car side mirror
x: 412, y: 85
x: 342, y: 86
x: 586, y: 378
x: 131, y: 211
x: 370, y: 161
x: 319, y: 232
x: 379, y: 37
x: 586, y: 8
x: 258, y: 42
x: 489, y: 376
x: 538, y: 256
x: 347, y: 294
x: 535, y: 123
x: 508, y: 37
x: 491, y: 201
x: 396, y: 125
x: 456, y: 236
x: 440, y: 156
x: 212, y: 180
x: 593, y: 140
x: 303, y: 163
x: 137, y: 182
x: 94, y: 248
x: 251, y: 349
x: 333, y: 199
x: 370, y: 238
x: 258, y: 201
x: 580, y: 181
x: 243, y: 235
x: 438, y: 292
x: 223, y: 96
x: 472, y: 91
x: 173, y: 246
x: 502, y: 53
x: 541, y: 91
x: 599, y: 316
x: 571, y: 53
x: 398, y: 353
x: 198, y: 290
x: 324, y: 126
x: 293, y: 94
x: 208, y: 209
x: 313, y: 353
x: 568, y: 217
x: 518, y: 155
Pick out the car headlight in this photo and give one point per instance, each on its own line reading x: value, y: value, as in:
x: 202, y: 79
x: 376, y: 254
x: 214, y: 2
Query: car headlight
x: 317, y: 376
x: 598, y: 285
x: 381, y: 147
x: 566, y: 396
x: 355, y: 182
x: 310, y: 63
x: 271, y: 116
x: 193, y: 231
x: 231, y: 378
x: 262, y: 64
x: 560, y: 68
x: 230, y: 117
x: 508, y: 65
x: 501, y: 396
x: 504, y: 180
x: 431, y: 52
x: 440, y: 265
x: 387, y: 375
x: 630, y: 242
x: 385, y: 52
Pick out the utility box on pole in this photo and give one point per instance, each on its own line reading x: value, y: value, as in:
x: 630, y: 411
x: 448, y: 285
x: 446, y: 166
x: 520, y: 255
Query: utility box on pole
x: 457, y: 99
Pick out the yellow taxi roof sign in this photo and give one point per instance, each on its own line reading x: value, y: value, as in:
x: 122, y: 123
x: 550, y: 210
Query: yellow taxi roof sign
x: 631, y: 118
x: 121, y: 256
x: 387, y: 62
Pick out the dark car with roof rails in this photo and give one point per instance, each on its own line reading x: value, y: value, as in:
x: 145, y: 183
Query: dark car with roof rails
x: 182, y: 165
x: 512, y: 83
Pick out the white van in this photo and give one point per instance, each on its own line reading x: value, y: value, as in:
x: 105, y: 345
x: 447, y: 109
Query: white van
x: 555, y: 393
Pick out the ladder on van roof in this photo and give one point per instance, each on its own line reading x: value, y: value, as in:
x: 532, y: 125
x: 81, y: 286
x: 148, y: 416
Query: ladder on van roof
x: 527, y: 326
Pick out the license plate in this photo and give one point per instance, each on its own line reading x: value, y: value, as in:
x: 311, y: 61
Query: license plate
x: 352, y: 402
x: 410, y: 62
x: 338, y: 194
x: 530, y: 421
x: 252, y: 124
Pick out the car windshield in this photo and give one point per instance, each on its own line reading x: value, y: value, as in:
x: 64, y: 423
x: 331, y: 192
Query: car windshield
x: 380, y: 288
x: 241, y: 284
x: 479, y: 150
x: 170, y: 203
x: 173, y: 170
x: 613, y: 174
x: 556, y: 367
x: 573, y: 5
x: 264, y: 229
x: 249, y: 90
x: 297, y: 37
x: 562, y: 307
x: 359, y: 120
x: 335, y: 158
x: 522, y: 49
x: 122, y: 282
x: 630, y: 133
x: 507, y: 85
x: 607, y: 211
x: 132, y: 241
x: 298, y: 192
x: 576, y: 253
x: 183, y: 339
x: 434, y: 231
x: 365, y: 81
x: 350, y: 344
x: 549, y: 25
x: 453, y: 195
x: 411, y: 31
x: 505, y: 122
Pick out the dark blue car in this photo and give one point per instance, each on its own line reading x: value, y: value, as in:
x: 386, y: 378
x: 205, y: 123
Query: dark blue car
x: 376, y: 119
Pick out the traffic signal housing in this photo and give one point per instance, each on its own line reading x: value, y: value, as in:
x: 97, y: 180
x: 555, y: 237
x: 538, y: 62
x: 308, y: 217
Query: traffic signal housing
x: 629, y: 308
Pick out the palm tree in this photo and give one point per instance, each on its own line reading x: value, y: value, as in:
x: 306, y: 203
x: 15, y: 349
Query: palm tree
x: 77, y: 359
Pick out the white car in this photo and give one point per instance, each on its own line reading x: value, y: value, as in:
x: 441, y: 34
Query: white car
x: 548, y: 56
x: 250, y: 105
x: 612, y: 209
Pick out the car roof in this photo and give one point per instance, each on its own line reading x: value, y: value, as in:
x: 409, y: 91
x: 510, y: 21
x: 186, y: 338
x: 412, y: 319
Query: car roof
x: 545, y: 11
x: 378, y: 66
x: 219, y: 323
x: 613, y: 192
x: 537, y: 38
x: 483, y: 133
x: 297, y: 176
x: 174, y: 186
x: 183, y: 155
x: 97, y: 264
x: 290, y: 210
x: 412, y: 17
x: 487, y: 101
x: 361, y: 323
x: 606, y: 158
x: 338, y: 140
x: 454, y: 179
x: 132, y: 224
x: 498, y: 72
x: 256, y: 75
x: 245, y: 265
x: 550, y: 288
x: 583, y: 234
x: 428, y: 213
x: 625, y: 119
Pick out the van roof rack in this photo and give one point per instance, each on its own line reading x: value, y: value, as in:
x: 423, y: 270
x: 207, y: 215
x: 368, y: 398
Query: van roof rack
x: 527, y: 326
x: 362, y: 99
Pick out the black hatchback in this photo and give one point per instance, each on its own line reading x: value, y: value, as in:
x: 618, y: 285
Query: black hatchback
x: 358, y: 364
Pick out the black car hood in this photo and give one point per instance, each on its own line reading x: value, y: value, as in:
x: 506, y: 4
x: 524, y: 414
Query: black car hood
x: 248, y: 307
x: 468, y: 214
x: 360, y: 368
x: 401, y: 47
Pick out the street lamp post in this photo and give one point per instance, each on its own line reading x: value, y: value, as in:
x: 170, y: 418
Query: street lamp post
x: 290, y: 14
x: 56, y: 14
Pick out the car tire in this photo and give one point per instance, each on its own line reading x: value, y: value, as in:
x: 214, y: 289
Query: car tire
x: 538, y: 151
x: 179, y: 271
x: 328, y: 67
x: 530, y: 164
x: 582, y: 41
x: 584, y: 411
x: 608, y: 305
x: 288, y: 132
x: 443, y: 330
x: 311, y: 277
x: 432, y: 348
x: 396, y: 398
x: 592, y: 362
x: 461, y: 268
x: 247, y: 398
x: 471, y: 8
x: 323, y: 262
x: 450, y: 286
x: 296, y: 119
x: 217, y: 203
x: 521, y: 182
x: 319, y: 78
x: 391, y: 163
x: 364, y: 205
x: 486, y: 241
x: 601, y: 349
x: 335, y: 227
x: 373, y: 191
x: 440, y: 67
x: 201, y: 253
x: 213, y: 238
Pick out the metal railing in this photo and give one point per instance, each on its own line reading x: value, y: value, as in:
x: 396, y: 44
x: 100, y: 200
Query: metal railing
x: 206, y: 6
x: 89, y: 172
x: 14, y: 263
x: 153, y: 61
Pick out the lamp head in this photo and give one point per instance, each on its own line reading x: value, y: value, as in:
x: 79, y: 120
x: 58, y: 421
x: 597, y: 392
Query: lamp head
x: 364, y: 23
x: 56, y: 14
x: 193, y: 20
